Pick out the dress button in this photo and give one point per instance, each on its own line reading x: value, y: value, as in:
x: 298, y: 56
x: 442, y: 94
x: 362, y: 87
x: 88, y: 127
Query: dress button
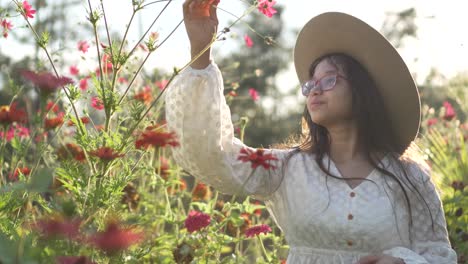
x: 349, y: 242
x: 352, y: 194
x: 350, y: 217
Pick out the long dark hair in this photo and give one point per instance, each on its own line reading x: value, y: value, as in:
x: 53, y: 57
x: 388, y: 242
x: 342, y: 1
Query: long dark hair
x: 374, y: 128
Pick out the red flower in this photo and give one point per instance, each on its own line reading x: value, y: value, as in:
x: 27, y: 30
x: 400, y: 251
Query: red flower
x: 258, y: 212
x: 248, y: 41
x: 257, y: 230
x: 254, y: 94
x: 266, y: 7
x: 74, y: 70
x: 196, y: 221
x: 54, y: 122
x: 106, y: 153
x: 432, y: 121
x: 85, y: 120
x: 24, y: 171
x: 144, y: 96
x: 11, y: 114
x: 83, y: 46
x: 155, y: 138
x: 257, y: 158
x: 449, y: 111
x: 97, y: 103
x: 71, y: 150
x: 58, y: 226
x: 73, y: 260
x: 83, y: 84
x: 52, y: 106
x: 6, y: 25
x: 115, y: 238
x: 27, y: 10
x: 46, y: 82
x: 122, y: 80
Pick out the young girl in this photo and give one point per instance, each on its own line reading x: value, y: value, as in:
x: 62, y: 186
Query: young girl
x: 350, y: 193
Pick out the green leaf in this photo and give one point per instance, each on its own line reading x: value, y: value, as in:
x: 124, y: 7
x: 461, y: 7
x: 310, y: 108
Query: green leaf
x: 41, y: 180
x: 7, y: 249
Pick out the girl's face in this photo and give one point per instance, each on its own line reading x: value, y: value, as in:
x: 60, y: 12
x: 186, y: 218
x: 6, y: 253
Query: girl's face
x: 334, y: 106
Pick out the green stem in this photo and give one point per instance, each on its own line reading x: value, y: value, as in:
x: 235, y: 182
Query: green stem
x: 263, y: 249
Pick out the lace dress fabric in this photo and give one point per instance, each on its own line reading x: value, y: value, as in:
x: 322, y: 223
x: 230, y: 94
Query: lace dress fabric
x: 324, y: 220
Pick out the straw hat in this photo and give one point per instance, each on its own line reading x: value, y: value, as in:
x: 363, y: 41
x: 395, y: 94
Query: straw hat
x: 338, y: 32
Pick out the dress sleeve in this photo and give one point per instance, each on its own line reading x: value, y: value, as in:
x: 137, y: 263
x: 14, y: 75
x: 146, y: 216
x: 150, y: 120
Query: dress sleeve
x: 427, y: 246
x: 197, y: 112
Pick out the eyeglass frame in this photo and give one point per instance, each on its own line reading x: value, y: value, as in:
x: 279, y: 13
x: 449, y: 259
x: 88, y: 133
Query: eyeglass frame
x: 303, y: 88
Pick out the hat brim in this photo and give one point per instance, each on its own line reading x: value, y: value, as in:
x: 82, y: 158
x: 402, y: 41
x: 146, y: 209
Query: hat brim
x: 334, y: 32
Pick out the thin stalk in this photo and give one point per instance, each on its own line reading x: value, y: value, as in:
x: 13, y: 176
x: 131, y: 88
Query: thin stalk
x: 52, y: 64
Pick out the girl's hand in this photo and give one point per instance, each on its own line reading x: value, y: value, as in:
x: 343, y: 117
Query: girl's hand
x: 201, y: 23
x: 380, y: 259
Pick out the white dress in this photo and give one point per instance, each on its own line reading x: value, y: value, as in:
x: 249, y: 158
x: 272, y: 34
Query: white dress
x: 324, y: 220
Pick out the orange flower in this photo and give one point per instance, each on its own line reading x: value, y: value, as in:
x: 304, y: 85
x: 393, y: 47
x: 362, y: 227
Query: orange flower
x: 11, y: 114
x: 144, y: 95
x: 179, y: 187
x: 154, y: 138
x: 54, y: 122
x: 201, y: 192
x: 106, y: 153
x: 72, y: 150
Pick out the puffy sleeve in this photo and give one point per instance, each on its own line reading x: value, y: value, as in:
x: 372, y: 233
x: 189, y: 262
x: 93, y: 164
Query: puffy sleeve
x: 197, y: 112
x: 427, y: 246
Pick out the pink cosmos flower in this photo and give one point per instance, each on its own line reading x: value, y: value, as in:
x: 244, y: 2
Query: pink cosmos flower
x: 122, y: 80
x: 83, y: 84
x: 46, y: 82
x: 28, y: 11
x: 6, y: 25
x: 266, y: 7
x: 74, y: 70
x: 248, y: 41
x: 96, y: 103
x: 161, y: 84
x: 196, y: 221
x: 83, y: 46
x: 257, y: 230
x: 254, y: 94
x: 449, y: 111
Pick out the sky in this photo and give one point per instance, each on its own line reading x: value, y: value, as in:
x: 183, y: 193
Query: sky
x: 442, y: 30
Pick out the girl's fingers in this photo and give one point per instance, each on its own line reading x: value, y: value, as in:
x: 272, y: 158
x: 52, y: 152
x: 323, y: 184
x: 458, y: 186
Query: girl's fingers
x: 186, y: 7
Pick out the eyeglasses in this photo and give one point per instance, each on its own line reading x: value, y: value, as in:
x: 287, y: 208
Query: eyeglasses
x: 325, y: 83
